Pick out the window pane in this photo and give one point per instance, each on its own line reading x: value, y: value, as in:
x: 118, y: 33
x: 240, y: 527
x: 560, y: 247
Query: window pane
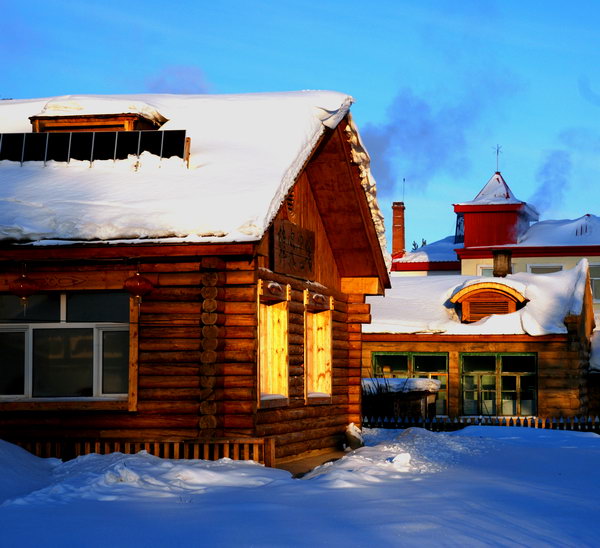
x: 98, y: 307
x: 595, y: 271
x: 63, y: 362
x: 544, y: 269
x: 38, y: 308
x: 392, y: 365
x: 509, y: 403
x: 528, y: 406
x: 518, y: 364
x: 440, y: 403
x: 429, y: 363
x: 487, y: 272
x: 12, y: 364
x: 488, y: 402
x: 115, y: 362
x: 596, y: 288
x: 469, y: 382
x: 528, y: 384
x: 470, y: 403
x: 479, y: 363
x: 509, y: 383
x: 488, y: 382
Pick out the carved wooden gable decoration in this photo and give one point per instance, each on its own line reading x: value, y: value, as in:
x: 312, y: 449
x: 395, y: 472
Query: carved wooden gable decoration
x: 486, y: 298
x: 294, y: 249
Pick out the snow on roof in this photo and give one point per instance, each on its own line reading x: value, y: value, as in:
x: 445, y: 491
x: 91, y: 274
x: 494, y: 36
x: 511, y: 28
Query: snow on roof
x: 84, y: 105
x: 497, y: 192
x: 442, y: 250
x: 246, y: 152
x: 569, y: 232
x: 421, y: 304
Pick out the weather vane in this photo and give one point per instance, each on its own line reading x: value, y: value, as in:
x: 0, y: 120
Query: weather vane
x: 498, y: 149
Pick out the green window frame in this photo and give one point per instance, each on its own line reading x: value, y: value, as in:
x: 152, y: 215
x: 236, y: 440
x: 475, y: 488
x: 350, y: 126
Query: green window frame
x: 410, y: 365
x: 499, y: 384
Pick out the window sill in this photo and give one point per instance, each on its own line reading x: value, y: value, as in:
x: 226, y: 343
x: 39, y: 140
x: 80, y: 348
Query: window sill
x: 318, y: 399
x: 273, y: 401
x: 64, y: 405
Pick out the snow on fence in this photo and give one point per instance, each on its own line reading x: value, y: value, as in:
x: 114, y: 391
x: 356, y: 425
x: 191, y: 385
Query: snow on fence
x: 261, y: 450
x: 447, y: 424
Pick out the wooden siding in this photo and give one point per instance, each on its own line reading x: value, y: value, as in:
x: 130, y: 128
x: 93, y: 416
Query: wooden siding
x: 561, y: 369
x: 301, y: 209
x: 302, y: 425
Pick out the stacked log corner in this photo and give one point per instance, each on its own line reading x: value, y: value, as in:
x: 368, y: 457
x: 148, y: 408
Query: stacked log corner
x: 236, y: 365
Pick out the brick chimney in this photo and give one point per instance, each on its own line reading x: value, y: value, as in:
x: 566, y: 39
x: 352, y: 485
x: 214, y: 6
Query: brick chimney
x: 398, y: 244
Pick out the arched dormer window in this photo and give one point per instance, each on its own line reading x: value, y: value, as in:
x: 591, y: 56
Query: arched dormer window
x: 486, y: 298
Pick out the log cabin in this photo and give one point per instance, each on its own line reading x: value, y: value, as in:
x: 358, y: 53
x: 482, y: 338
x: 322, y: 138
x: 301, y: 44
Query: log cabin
x: 184, y: 274
x: 513, y: 346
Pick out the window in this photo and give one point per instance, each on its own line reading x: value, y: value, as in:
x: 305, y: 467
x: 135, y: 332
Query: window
x: 273, y: 342
x: 499, y: 384
x: 64, y: 346
x: 406, y: 365
x: 92, y: 145
x: 544, y: 268
x: 318, y: 344
x: 487, y: 271
x: 595, y: 281
x: 478, y: 300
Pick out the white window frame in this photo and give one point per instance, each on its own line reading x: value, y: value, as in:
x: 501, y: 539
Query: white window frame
x: 97, y: 328
x: 545, y: 265
x: 481, y: 267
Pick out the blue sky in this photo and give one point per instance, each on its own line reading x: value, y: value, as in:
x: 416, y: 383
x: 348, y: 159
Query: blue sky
x: 437, y: 83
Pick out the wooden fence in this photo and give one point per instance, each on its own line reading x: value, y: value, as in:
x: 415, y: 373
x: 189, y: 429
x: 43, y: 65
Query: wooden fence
x: 261, y: 450
x: 447, y: 424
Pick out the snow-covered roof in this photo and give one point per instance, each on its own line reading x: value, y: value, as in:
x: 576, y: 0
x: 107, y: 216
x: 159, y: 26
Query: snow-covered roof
x: 564, y: 232
x: 421, y: 304
x: 246, y: 152
x: 497, y: 192
x: 440, y: 251
x: 82, y: 105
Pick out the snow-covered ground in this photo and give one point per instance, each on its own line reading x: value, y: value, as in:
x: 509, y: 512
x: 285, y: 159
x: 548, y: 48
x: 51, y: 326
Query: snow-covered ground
x: 480, y: 486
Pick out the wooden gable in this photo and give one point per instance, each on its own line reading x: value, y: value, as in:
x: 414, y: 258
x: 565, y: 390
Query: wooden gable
x: 336, y: 185
x: 486, y: 298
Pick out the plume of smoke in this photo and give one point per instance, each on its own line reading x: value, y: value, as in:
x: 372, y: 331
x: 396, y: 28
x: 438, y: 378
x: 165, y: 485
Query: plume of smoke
x: 580, y: 139
x: 178, y: 79
x: 586, y: 91
x: 553, y: 179
x: 423, y: 138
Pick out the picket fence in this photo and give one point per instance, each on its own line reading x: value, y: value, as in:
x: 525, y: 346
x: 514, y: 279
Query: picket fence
x: 447, y: 424
x: 258, y: 449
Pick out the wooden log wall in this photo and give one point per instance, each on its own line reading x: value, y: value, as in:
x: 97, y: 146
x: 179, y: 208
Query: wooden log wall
x: 302, y: 426
x: 560, y: 373
x: 196, y: 362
